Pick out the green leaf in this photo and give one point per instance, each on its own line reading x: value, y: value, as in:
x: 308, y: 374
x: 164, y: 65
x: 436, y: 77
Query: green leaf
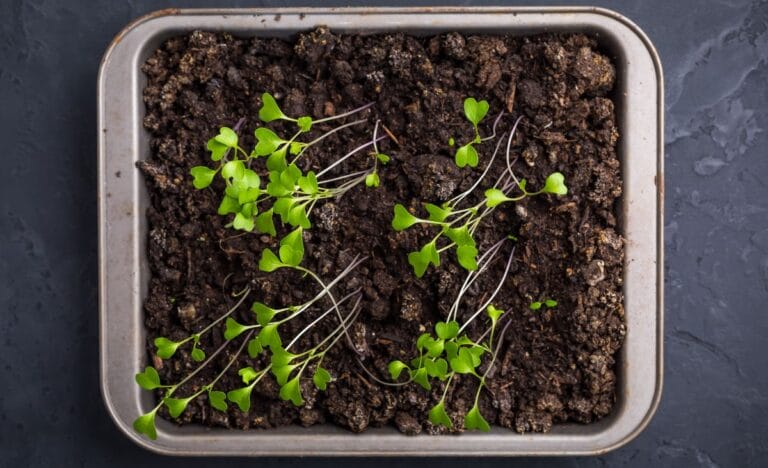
x: 296, y: 147
x: 421, y: 342
x: 550, y: 303
x: 467, y: 256
x: 495, y: 197
x: 269, y: 110
x: 451, y: 141
x: 522, y: 184
x: 165, y: 347
x: 439, y: 417
x: 434, y: 347
x: 446, y: 331
x: 420, y: 377
x: 292, y: 248
x: 203, y: 176
x: 263, y: 313
x: 145, y: 424
x: 228, y: 205
x: 254, y: 347
x: 555, y: 184
x: 233, y: 170
x: 535, y: 305
x: 269, y: 337
x: 493, y: 313
x: 383, y: 158
x: 460, y: 236
x: 248, y: 374
x: 372, y: 180
x: 233, y: 329
x: 218, y: 400
x: 268, y: 141
x: 420, y: 260
x: 475, y: 421
x: 474, y: 110
x: 403, y: 219
x: 276, y: 161
x: 436, y: 368
x: 197, y: 354
x: 466, y: 156
x: 451, y: 349
x: 297, y: 217
x: 321, y: 378
x: 269, y: 261
x: 248, y: 210
x: 242, y: 222
x: 308, y: 183
x: 463, y: 363
x: 437, y: 213
x: 176, y: 406
x: 281, y: 357
x: 149, y: 379
x: 249, y: 195
x: 226, y: 137
x: 265, y: 224
x: 292, y: 391
x: 304, y: 123
x: 217, y: 149
x: 241, y: 397
x: 395, y: 368
x: 283, y: 372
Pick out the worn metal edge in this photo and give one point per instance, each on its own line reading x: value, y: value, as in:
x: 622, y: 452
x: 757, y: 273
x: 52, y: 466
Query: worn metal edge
x: 149, y: 445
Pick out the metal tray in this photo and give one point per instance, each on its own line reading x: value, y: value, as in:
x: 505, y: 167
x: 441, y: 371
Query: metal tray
x: 123, y: 272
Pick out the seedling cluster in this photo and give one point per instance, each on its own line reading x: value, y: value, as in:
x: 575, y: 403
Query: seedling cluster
x: 292, y: 193
x: 261, y: 337
x: 458, y: 224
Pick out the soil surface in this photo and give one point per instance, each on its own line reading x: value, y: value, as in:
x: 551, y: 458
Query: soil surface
x: 555, y: 365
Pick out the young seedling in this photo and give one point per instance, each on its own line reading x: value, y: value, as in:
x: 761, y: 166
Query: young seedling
x: 150, y: 380
x: 372, y: 178
x: 449, y: 352
x: 459, y: 224
x: 289, y: 193
x: 260, y: 336
x: 475, y: 112
x: 550, y: 303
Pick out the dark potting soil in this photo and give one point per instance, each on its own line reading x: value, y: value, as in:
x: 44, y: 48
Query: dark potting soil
x: 555, y: 365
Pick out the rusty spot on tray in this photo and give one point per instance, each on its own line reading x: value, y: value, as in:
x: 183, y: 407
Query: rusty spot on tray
x: 141, y: 19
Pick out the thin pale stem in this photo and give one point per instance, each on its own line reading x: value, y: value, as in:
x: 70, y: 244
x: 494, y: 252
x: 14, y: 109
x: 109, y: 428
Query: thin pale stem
x: 343, y: 158
x: 495, y: 292
x: 345, y: 114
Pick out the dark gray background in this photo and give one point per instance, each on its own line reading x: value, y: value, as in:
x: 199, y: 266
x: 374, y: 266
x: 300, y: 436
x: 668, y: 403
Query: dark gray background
x: 715, y: 406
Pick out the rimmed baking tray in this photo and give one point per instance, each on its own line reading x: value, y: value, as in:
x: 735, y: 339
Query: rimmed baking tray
x: 122, y: 198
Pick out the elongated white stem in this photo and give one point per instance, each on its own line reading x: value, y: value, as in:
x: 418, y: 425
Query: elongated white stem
x: 509, y: 146
x: 341, y: 116
x: 346, y: 176
x: 343, y: 158
x: 482, y: 262
x: 321, y: 317
x: 458, y: 199
x: 495, y: 124
x: 495, y: 292
x: 227, y: 314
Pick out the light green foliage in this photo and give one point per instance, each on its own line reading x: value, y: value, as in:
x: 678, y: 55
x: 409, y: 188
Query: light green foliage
x: 444, y: 355
x: 550, y: 303
x: 475, y: 111
x: 289, y: 192
x: 459, y: 225
x: 149, y: 379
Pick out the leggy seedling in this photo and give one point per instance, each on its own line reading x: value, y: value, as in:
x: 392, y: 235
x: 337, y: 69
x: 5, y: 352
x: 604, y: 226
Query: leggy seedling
x: 475, y: 111
x: 450, y: 352
x: 459, y: 224
x: 291, y: 192
x: 268, y: 320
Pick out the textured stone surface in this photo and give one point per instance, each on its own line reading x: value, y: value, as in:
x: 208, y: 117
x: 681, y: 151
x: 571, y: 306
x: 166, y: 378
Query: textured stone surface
x: 715, y: 406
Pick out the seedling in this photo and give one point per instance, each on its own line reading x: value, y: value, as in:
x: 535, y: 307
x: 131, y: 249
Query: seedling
x: 550, y: 303
x: 259, y: 336
x: 289, y: 193
x: 458, y: 225
x: 450, y: 352
x: 475, y: 112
